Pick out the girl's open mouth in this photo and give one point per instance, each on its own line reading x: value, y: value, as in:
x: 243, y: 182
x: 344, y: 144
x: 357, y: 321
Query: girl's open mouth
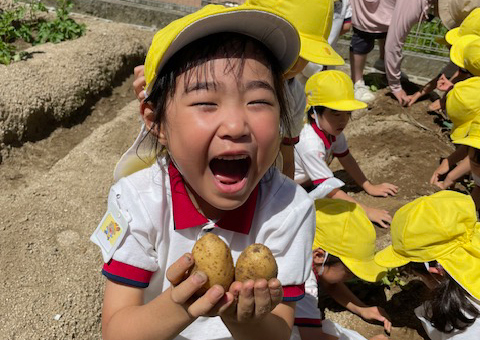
x: 230, y: 172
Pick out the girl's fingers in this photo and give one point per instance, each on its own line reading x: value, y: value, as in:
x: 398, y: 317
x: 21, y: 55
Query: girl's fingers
x: 276, y: 292
x: 205, y: 304
x: 184, y: 291
x: 176, y: 272
x: 139, y: 71
x: 263, y: 303
x: 246, y: 302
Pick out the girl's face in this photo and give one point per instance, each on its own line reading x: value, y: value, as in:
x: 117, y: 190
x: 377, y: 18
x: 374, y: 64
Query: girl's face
x: 334, y: 271
x: 333, y: 122
x: 223, y: 131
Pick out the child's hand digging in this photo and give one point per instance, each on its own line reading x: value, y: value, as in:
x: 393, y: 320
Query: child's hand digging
x: 381, y: 190
x: 381, y: 217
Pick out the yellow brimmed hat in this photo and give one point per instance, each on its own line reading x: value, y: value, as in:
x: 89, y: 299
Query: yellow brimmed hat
x: 471, y: 57
x: 473, y: 137
x: 262, y: 24
x: 313, y: 20
x: 453, y: 12
x: 344, y: 230
x: 463, y: 106
x: 457, y: 52
x: 271, y: 29
x: 441, y: 227
x: 332, y: 89
x: 471, y: 25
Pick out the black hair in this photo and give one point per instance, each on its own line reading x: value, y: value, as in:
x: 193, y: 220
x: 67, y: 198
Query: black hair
x: 196, y: 60
x: 318, y: 109
x: 449, y: 304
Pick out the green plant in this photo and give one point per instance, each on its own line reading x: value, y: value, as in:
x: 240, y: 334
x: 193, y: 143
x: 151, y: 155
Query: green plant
x: 393, y: 278
x: 62, y: 28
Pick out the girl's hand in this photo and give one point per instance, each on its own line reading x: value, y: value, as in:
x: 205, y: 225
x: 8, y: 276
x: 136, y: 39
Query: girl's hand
x: 376, y: 313
x: 212, y: 303
x: 445, y: 184
x: 139, y: 82
x: 381, y: 217
x: 382, y: 190
x: 435, y: 106
x: 443, y: 84
x: 414, y: 97
x: 441, y: 170
x: 253, y: 300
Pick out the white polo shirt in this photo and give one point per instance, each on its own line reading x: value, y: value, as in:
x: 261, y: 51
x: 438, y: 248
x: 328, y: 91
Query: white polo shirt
x: 164, y: 224
x: 314, y: 152
x: 297, y: 102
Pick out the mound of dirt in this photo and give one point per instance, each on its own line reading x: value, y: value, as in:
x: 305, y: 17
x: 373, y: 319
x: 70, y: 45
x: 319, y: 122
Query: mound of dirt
x: 59, y: 82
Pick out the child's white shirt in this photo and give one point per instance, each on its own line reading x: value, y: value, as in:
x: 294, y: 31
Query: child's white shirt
x: 281, y: 217
x: 472, y: 332
x: 314, y: 152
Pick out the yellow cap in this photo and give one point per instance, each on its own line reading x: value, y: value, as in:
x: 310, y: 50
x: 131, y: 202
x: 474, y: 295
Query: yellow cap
x: 332, y: 89
x: 463, y: 106
x: 457, y: 52
x: 441, y: 227
x: 268, y: 27
x: 313, y: 20
x: 471, y: 57
x: 344, y: 230
x: 471, y: 25
x: 473, y: 137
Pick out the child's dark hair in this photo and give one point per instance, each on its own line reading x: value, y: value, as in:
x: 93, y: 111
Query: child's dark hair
x: 449, y: 304
x: 196, y: 61
x: 318, y: 109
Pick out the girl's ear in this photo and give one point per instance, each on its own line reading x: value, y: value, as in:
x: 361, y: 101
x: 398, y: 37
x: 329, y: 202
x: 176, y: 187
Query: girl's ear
x: 318, y: 256
x: 148, y: 116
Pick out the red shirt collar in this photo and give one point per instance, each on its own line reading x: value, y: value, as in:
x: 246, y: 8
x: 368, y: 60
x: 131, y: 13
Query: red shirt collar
x: 185, y: 215
x: 327, y: 139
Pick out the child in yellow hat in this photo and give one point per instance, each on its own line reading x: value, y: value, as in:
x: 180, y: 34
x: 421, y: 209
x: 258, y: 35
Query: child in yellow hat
x: 343, y: 248
x: 438, y: 236
x: 330, y: 101
x: 203, y: 163
x: 463, y: 107
x: 313, y: 20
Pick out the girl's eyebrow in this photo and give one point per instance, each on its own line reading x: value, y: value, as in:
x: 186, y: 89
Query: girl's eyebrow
x: 201, y: 86
x: 259, y: 84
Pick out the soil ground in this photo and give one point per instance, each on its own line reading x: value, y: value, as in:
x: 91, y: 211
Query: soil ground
x: 53, y: 193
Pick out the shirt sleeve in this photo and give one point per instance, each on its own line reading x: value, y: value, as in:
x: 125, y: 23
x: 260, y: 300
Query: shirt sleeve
x: 135, y: 260
x: 406, y: 14
x: 296, y: 102
x: 340, y: 146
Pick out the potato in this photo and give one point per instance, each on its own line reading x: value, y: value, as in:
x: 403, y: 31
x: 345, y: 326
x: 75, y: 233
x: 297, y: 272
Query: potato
x: 256, y: 262
x: 213, y: 257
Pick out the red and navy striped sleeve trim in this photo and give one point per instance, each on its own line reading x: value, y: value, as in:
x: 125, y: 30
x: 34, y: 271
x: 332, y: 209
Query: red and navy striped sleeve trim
x: 307, y: 322
x: 290, y: 141
x: 343, y: 154
x: 347, y: 20
x: 127, y: 274
x: 293, y: 293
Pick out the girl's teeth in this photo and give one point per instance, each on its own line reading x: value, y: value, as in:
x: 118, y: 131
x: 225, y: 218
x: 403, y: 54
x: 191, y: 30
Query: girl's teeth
x: 232, y: 158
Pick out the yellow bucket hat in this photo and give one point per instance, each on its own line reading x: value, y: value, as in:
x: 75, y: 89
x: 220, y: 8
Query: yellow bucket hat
x: 332, y: 89
x: 344, y: 230
x: 463, y: 106
x: 457, y: 52
x: 441, y: 227
x: 471, y: 56
x: 262, y: 24
x: 471, y: 25
x: 313, y: 20
x: 265, y: 25
x: 473, y: 137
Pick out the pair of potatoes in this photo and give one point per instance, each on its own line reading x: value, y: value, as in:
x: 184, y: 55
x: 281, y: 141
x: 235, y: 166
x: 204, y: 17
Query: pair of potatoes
x: 214, y: 258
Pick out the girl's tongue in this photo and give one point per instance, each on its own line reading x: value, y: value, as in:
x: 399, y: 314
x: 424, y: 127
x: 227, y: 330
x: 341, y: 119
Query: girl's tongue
x: 230, y: 171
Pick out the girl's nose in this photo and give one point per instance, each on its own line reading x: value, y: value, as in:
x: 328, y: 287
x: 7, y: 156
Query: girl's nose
x: 234, y: 124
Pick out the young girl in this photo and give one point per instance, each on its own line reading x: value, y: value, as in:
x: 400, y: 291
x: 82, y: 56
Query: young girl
x: 441, y: 233
x: 330, y: 101
x: 215, y: 112
x: 343, y: 248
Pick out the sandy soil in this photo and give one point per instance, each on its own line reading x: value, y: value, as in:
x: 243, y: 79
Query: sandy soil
x: 54, y: 194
